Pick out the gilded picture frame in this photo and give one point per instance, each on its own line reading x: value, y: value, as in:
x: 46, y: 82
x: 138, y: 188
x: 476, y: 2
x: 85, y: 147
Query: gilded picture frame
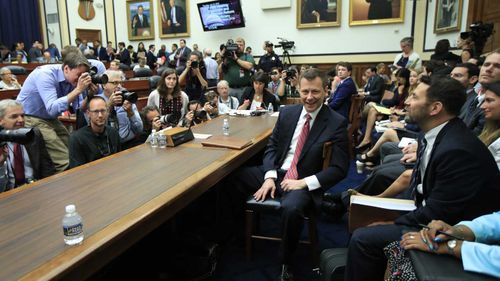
x: 318, y: 13
x: 173, y: 18
x: 140, y: 21
x: 447, y: 16
x: 369, y: 12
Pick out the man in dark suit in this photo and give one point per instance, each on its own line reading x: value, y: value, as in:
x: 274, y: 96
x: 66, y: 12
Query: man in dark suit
x: 374, y: 89
x: 455, y: 177
x: 124, y: 54
x: 140, y: 20
x: 176, y: 18
x: 21, y: 164
x: 340, y: 99
x: 292, y: 164
x: 474, y: 116
x: 150, y: 57
x: 379, y: 9
x: 182, y: 55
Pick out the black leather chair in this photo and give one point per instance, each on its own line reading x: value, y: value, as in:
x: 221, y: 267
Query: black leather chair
x: 17, y: 69
x: 153, y: 82
x: 160, y: 70
x: 143, y: 72
x: 274, y: 206
x: 124, y: 67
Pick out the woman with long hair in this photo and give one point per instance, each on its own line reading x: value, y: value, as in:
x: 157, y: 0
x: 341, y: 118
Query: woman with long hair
x: 169, y: 98
x: 490, y: 135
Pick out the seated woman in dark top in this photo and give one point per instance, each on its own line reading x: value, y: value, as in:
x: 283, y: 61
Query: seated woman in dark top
x: 258, y: 97
x: 395, y: 101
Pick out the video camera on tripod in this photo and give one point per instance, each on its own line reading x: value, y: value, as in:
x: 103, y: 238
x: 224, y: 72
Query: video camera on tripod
x: 230, y: 48
x: 285, y: 44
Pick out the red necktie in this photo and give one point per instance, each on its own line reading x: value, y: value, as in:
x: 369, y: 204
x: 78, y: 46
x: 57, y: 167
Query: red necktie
x: 18, y: 165
x: 292, y: 171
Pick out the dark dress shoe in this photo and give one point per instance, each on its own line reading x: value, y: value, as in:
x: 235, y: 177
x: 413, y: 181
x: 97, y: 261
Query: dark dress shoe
x: 286, y: 275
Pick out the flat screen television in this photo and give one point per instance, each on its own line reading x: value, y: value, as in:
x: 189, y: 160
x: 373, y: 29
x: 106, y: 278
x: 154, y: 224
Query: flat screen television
x: 221, y: 14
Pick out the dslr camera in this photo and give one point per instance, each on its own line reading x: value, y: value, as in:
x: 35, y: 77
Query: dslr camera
x: 129, y: 96
x: 21, y: 135
x: 230, y: 48
x: 195, y: 64
x: 290, y: 73
x: 97, y: 78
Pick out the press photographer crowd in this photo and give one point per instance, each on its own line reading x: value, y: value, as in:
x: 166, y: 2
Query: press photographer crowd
x: 429, y: 131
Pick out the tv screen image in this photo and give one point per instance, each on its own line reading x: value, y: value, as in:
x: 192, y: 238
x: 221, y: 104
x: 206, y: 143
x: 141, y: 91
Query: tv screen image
x: 222, y: 14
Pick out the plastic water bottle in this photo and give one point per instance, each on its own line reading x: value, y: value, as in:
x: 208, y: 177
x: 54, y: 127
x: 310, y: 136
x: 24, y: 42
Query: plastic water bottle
x: 72, y: 226
x: 225, y: 127
x: 270, y: 108
x: 153, y: 139
x: 162, y: 140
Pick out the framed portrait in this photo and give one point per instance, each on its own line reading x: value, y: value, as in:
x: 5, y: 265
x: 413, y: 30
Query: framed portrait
x: 139, y: 19
x: 365, y: 12
x: 318, y: 13
x: 173, y: 18
x: 448, y: 15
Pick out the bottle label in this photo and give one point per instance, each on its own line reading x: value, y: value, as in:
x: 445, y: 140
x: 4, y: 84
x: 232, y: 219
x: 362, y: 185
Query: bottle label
x: 73, y: 230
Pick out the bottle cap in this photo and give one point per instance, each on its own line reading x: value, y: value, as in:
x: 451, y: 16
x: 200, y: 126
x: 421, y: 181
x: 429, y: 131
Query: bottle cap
x: 70, y: 208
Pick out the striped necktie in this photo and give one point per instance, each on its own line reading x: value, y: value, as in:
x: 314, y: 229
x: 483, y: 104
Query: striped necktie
x: 292, y: 171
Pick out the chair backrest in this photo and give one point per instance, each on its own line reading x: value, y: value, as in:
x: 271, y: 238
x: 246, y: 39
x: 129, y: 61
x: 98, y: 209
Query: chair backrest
x: 160, y: 70
x: 124, y: 67
x: 143, y: 72
x: 153, y: 81
x: 327, y: 154
x: 16, y: 69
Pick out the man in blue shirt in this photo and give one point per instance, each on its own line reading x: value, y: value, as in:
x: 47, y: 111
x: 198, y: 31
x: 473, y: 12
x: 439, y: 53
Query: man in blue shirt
x: 47, y: 92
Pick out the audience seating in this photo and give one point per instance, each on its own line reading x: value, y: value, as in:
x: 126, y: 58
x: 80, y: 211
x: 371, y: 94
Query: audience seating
x: 272, y: 206
x: 153, y: 82
x: 143, y: 72
x: 124, y: 67
x: 17, y: 69
x: 160, y: 70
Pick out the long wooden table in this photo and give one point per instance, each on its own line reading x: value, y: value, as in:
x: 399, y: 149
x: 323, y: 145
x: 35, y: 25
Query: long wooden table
x: 121, y: 198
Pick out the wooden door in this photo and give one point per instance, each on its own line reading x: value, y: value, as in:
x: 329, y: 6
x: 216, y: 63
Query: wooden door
x: 487, y: 11
x: 89, y: 34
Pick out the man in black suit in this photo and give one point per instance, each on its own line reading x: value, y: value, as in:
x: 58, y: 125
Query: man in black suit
x: 150, y: 57
x: 21, y: 164
x: 182, y: 55
x: 374, y: 89
x: 455, y: 177
x: 124, y: 54
x: 292, y: 164
x: 140, y: 20
x: 176, y: 18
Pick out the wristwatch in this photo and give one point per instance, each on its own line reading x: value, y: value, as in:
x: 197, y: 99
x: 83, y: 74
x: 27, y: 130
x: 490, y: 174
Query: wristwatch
x: 450, y: 245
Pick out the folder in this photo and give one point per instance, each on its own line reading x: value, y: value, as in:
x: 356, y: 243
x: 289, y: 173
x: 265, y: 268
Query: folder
x: 227, y: 142
x: 382, y: 110
x: 365, y: 210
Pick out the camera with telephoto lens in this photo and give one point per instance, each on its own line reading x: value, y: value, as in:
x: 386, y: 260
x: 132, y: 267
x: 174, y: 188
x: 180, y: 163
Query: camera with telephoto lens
x: 129, y: 96
x: 21, y: 135
x: 479, y: 33
x: 195, y: 64
x: 97, y: 78
x: 171, y: 119
x: 229, y: 49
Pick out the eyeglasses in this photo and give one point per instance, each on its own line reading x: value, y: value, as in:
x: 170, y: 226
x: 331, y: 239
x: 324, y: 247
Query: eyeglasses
x: 99, y: 111
x: 274, y: 73
x: 116, y: 83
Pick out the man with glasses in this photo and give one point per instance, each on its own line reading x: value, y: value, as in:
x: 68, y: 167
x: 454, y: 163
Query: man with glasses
x: 123, y: 115
x: 8, y: 81
x: 95, y: 141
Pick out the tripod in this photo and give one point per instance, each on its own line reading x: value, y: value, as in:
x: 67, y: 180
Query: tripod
x: 285, y: 58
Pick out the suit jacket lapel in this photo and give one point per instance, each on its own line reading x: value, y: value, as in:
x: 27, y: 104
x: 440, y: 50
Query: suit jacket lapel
x: 289, y: 129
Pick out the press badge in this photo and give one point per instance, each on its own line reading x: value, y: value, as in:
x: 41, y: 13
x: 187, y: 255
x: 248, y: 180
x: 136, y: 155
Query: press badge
x: 242, y: 73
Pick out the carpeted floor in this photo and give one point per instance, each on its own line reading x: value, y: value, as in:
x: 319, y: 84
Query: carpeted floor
x: 162, y: 255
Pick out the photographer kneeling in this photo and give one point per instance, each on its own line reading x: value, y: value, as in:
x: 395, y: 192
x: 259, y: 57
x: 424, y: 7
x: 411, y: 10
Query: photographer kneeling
x: 20, y: 164
x: 124, y: 115
x: 195, y: 115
